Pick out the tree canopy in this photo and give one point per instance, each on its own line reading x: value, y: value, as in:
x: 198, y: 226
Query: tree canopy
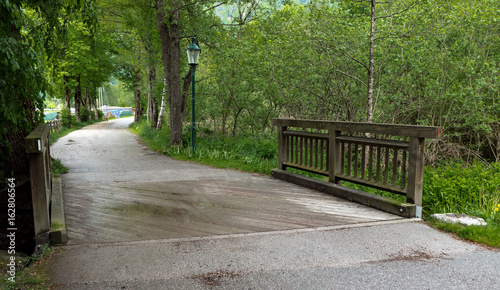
x: 429, y: 62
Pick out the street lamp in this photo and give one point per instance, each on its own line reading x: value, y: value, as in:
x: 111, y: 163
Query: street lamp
x: 193, y: 52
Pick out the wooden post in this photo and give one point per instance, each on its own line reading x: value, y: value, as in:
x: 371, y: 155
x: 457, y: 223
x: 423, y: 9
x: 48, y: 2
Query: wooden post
x: 37, y: 147
x: 282, y: 148
x: 415, y: 170
x: 335, y: 161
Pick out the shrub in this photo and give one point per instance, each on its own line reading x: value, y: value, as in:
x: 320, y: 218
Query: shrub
x: 84, y: 114
x: 66, y: 117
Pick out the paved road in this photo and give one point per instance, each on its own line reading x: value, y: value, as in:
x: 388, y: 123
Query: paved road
x: 117, y: 242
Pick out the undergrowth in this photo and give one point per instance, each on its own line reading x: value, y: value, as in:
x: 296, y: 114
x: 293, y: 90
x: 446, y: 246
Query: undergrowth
x: 30, y: 274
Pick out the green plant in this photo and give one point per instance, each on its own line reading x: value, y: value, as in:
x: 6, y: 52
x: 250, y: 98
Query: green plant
x: 84, y: 114
x: 57, y: 167
x: 67, y: 118
x: 31, y: 275
x: 461, y: 188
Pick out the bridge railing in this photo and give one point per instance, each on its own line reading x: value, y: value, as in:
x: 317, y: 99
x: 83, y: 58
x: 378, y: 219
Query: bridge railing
x: 55, y: 125
x: 38, y: 150
x: 382, y: 156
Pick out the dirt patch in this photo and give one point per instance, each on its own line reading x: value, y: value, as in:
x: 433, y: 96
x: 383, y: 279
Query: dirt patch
x: 214, y: 279
x: 414, y: 256
x: 144, y: 209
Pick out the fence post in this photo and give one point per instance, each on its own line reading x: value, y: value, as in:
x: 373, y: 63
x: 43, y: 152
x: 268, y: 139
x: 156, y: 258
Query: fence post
x: 282, y: 147
x: 335, y: 161
x: 415, y: 171
x: 37, y: 148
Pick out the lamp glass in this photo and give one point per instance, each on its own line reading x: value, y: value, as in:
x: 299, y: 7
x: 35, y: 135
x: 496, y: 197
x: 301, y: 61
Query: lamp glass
x: 193, y: 52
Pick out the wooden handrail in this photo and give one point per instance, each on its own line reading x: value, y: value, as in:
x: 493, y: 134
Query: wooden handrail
x: 390, y: 165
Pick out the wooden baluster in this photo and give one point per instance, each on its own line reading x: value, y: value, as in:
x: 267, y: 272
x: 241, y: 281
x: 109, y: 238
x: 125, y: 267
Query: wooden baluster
x: 370, y: 162
x: 386, y: 169
x: 363, y: 161
x: 356, y: 163
x: 403, y: 170
x: 282, y: 151
x: 395, y: 166
x: 297, y: 145
x: 349, y: 157
x: 379, y: 154
x: 301, y: 142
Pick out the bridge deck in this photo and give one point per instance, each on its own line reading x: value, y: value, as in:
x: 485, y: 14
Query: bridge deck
x: 116, y: 190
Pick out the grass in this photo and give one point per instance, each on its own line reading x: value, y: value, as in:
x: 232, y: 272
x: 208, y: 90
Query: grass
x: 454, y: 187
x: 246, y: 153
x: 57, y: 167
x: 34, y: 275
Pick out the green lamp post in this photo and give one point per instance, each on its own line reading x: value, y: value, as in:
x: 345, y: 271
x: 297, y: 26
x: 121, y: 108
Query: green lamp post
x: 193, y: 52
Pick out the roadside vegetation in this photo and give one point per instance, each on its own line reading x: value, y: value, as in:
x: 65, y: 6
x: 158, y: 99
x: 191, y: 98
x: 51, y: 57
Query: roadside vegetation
x: 452, y: 187
x: 31, y: 273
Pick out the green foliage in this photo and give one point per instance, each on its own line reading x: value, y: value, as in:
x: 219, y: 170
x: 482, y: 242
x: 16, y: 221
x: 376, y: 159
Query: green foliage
x: 67, y: 119
x: 255, y: 154
x: 84, y: 114
x: 57, y: 167
x: 462, y: 189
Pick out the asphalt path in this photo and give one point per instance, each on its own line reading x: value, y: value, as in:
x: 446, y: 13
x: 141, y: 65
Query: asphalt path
x: 385, y: 253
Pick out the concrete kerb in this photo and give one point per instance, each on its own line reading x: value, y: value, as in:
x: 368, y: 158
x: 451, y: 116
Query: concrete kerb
x: 58, y: 223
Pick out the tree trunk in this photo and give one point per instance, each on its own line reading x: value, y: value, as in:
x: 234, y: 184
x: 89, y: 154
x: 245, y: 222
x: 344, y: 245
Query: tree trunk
x: 96, y: 114
x: 151, y: 78
x: 137, y: 97
x: 369, y: 115
x: 87, y: 102
x: 162, y: 110
x: 154, y: 115
x: 67, y: 100
x: 78, y: 99
x: 170, y: 52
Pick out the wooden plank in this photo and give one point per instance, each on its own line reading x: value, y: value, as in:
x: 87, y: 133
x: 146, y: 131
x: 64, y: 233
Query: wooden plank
x: 373, y: 183
x: 373, y: 141
x: 307, y: 168
x: 306, y: 134
x: 371, y: 200
x: 374, y: 128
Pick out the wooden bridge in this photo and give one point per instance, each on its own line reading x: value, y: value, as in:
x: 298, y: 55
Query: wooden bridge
x: 141, y: 195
